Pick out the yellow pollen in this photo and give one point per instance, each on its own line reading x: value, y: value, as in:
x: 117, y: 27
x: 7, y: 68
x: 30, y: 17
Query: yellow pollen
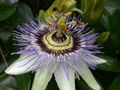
x: 50, y: 23
x: 63, y: 25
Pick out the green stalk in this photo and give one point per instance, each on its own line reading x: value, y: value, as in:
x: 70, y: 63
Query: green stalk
x: 64, y: 6
x: 59, y: 33
x: 92, y: 9
x: 78, y: 10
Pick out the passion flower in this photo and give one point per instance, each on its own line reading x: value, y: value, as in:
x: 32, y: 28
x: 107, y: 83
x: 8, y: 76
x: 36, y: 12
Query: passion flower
x: 64, y: 50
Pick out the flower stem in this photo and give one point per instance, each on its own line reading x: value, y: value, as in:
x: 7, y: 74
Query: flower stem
x: 59, y: 31
x: 3, y: 75
x: 3, y: 57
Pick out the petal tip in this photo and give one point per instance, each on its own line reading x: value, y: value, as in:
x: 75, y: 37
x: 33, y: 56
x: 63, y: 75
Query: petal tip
x: 11, y: 71
x: 14, y: 69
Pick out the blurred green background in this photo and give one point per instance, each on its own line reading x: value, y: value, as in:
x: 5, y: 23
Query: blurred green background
x: 16, y: 12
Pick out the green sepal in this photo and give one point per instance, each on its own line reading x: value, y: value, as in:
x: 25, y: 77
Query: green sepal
x: 65, y: 7
x: 103, y: 37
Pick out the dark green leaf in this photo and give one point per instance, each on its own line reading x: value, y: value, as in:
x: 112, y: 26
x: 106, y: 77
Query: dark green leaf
x: 2, y: 66
x: 22, y: 14
x: 6, y: 27
x: 23, y: 81
x: 114, y: 25
x: 52, y: 85
x: 112, y: 5
x: 6, y: 10
x: 104, y: 20
x: 82, y: 85
x: 115, y: 84
x: 10, y: 1
x: 8, y: 83
x: 110, y: 21
x: 25, y: 12
x: 111, y: 65
x: 104, y: 77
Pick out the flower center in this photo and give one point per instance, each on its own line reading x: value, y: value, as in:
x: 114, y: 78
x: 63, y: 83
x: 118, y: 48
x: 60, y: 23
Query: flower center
x: 58, y: 39
x: 57, y: 44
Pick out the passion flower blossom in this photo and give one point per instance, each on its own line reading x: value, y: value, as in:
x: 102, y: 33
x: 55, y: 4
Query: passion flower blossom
x: 44, y: 53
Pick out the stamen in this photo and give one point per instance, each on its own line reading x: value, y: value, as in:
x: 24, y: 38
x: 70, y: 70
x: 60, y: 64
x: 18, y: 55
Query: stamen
x: 49, y: 23
x: 55, y: 25
x: 63, y: 25
x: 72, y: 22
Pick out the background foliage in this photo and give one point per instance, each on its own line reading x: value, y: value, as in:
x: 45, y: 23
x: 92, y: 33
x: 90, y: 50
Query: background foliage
x: 16, y: 12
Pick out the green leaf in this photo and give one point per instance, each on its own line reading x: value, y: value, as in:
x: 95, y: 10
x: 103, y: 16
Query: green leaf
x: 6, y: 10
x: 2, y: 66
x: 10, y: 1
x: 22, y: 14
x: 10, y: 24
x: 114, y: 27
x: 23, y: 81
x: 111, y: 65
x: 8, y: 83
x: 25, y: 12
x: 110, y: 21
x: 6, y: 27
x: 52, y: 85
x: 104, y: 21
x: 82, y: 85
x: 112, y: 5
x: 115, y: 84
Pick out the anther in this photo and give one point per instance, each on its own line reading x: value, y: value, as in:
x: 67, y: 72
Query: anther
x: 50, y: 23
x: 63, y: 25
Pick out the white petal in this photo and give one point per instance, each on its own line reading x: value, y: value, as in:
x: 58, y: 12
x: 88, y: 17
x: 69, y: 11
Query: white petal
x: 92, y: 58
x: 63, y: 82
x: 98, y: 60
x: 86, y: 74
x: 18, y: 67
x: 41, y: 79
